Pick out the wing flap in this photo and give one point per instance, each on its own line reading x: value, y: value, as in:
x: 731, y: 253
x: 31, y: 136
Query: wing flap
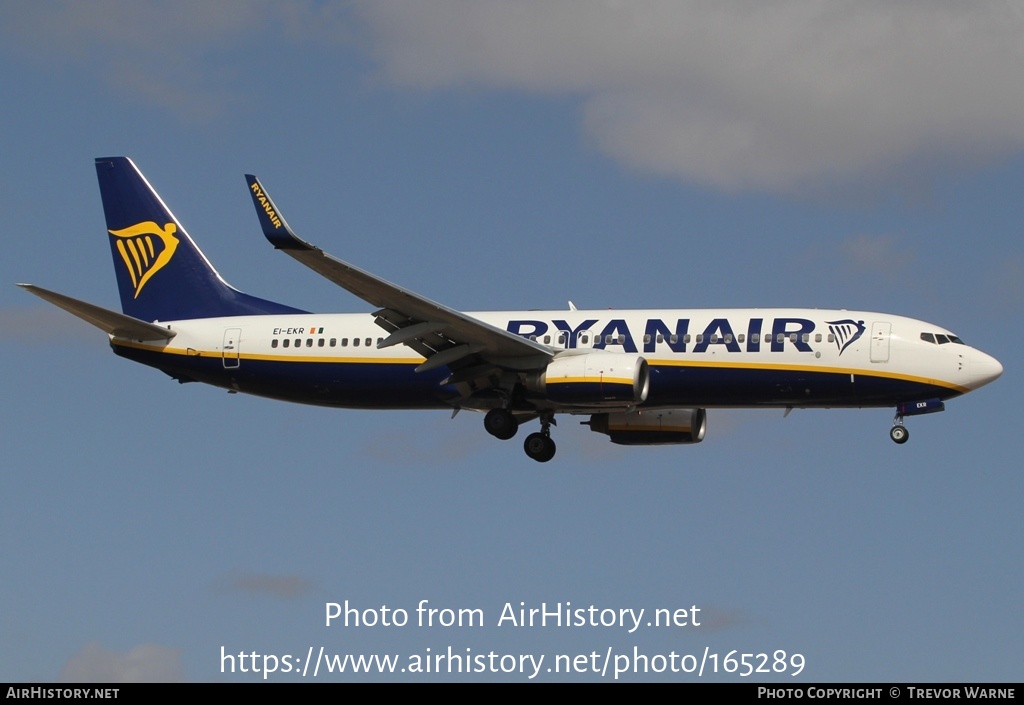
x: 411, y: 332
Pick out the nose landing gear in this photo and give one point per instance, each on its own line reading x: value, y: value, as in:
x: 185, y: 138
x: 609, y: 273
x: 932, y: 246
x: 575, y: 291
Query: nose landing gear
x: 899, y: 433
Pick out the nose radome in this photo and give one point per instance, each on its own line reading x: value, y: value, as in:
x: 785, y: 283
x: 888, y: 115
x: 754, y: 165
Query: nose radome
x: 983, y: 369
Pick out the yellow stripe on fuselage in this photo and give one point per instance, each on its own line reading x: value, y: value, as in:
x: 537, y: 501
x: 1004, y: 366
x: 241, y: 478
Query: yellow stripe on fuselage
x: 195, y: 352
x: 362, y: 360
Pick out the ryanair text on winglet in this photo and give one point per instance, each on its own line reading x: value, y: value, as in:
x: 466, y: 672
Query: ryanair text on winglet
x: 265, y: 202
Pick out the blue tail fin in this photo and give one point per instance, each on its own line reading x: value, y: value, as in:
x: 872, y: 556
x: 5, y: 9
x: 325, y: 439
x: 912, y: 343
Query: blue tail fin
x: 161, y: 274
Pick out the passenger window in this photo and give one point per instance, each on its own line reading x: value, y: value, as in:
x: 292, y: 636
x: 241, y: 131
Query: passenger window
x: 831, y: 338
x: 673, y: 339
x: 321, y: 342
x: 309, y: 342
x: 584, y: 339
x: 285, y: 342
x: 547, y: 340
x: 806, y: 337
x: 355, y: 342
x: 369, y: 342
x: 714, y: 337
x: 298, y: 342
x: 334, y: 342
x: 728, y: 337
x: 273, y: 343
x: 344, y: 342
x: 700, y: 338
x: 661, y: 338
x: 817, y: 337
x: 740, y: 338
x: 647, y: 338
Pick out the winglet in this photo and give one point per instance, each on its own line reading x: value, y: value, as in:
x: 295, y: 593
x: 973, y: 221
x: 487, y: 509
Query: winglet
x: 275, y: 227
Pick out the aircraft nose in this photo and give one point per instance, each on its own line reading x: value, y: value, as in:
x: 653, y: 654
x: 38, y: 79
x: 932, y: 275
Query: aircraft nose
x: 983, y: 369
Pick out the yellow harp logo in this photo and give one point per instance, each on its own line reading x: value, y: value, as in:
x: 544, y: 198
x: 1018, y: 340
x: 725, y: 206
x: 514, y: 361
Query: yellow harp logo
x: 141, y: 255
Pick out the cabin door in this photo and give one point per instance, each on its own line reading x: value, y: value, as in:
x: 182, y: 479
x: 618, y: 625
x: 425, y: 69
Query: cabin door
x: 880, y: 341
x: 230, y: 351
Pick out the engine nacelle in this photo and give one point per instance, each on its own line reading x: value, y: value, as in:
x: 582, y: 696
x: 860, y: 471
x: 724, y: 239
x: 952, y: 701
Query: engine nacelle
x: 651, y: 427
x: 594, y: 379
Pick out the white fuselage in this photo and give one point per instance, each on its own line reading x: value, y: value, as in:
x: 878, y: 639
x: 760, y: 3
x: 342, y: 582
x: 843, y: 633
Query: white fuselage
x: 698, y: 357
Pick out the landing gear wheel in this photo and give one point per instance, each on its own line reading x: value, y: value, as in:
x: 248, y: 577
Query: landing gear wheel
x: 899, y: 434
x: 539, y: 447
x: 500, y: 423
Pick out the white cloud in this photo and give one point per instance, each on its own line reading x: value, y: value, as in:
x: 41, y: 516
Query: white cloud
x: 770, y: 95
x: 44, y: 324
x: 146, y: 663
x: 165, y: 54
x: 775, y: 95
x: 261, y: 584
x: 877, y: 254
x: 1007, y: 283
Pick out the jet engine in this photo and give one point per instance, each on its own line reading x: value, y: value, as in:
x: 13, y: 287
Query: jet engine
x: 593, y: 379
x: 651, y: 427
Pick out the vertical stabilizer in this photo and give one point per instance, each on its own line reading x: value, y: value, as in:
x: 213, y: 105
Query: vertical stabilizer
x: 161, y: 274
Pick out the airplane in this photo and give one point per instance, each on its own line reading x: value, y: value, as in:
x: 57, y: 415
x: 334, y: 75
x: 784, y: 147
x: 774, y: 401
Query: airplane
x: 643, y: 377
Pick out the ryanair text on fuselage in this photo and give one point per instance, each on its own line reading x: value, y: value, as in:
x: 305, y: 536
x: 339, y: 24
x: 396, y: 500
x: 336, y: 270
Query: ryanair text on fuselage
x: 755, y: 335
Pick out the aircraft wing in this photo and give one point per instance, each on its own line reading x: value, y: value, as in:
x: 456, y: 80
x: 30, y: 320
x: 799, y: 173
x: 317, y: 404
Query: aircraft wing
x: 442, y: 335
x: 113, y: 323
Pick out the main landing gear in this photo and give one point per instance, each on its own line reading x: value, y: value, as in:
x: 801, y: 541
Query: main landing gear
x: 539, y: 446
x: 502, y: 423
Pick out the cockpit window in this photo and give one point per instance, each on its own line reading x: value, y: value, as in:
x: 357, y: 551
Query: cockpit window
x: 941, y: 338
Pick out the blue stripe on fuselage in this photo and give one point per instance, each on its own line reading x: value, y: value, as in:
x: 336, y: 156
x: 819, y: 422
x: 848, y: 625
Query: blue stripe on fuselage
x: 349, y: 384
x: 708, y: 386
x: 395, y: 385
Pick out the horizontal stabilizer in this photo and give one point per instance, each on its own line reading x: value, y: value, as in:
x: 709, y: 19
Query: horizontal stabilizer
x: 113, y: 323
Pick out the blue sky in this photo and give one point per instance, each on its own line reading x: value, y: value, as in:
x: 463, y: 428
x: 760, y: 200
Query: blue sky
x: 496, y: 155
